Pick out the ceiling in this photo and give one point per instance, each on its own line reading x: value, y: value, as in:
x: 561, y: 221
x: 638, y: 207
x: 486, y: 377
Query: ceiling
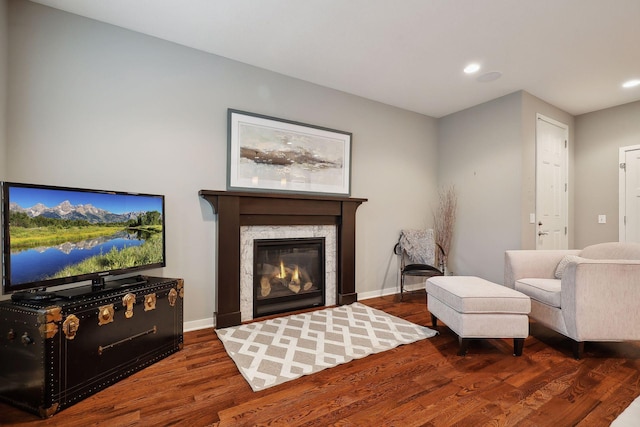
x: 574, y: 54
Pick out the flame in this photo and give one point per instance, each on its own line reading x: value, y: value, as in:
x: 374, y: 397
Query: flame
x: 282, y: 273
x: 295, y: 277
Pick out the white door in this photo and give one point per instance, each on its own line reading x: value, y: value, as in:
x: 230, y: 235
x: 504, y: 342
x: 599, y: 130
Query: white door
x: 551, y: 184
x: 630, y: 194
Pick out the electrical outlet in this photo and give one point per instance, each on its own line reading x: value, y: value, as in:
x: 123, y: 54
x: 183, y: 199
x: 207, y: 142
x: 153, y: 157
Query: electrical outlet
x: 602, y: 219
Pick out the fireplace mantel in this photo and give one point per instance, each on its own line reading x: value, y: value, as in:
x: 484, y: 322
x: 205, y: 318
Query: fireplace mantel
x: 236, y: 209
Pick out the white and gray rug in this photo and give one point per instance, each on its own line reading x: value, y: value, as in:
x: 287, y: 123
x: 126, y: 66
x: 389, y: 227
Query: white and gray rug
x: 274, y: 351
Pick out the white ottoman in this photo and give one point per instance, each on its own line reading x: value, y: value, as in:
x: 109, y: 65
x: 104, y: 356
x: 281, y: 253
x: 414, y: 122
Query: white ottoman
x: 476, y: 308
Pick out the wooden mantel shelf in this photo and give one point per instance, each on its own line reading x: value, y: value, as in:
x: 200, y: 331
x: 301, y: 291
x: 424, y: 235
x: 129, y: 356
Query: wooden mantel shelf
x: 236, y: 209
x: 212, y: 196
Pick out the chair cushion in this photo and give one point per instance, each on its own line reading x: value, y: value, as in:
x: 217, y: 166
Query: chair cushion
x: 468, y: 294
x: 544, y: 290
x: 421, y: 270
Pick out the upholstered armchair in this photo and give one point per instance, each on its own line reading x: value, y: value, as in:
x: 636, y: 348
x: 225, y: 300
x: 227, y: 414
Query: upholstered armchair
x: 587, y: 295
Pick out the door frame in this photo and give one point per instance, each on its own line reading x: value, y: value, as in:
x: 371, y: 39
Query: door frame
x: 565, y: 169
x: 622, y: 190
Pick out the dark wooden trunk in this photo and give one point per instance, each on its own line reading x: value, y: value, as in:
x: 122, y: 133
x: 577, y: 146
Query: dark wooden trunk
x: 57, y: 352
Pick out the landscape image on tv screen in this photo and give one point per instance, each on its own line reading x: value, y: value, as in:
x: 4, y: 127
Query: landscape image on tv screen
x: 56, y: 233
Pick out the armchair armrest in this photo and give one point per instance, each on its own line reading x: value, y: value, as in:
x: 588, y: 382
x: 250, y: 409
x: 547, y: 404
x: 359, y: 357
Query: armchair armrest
x: 524, y: 263
x: 600, y: 300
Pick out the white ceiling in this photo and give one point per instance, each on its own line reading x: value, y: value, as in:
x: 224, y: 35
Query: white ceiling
x: 574, y: 54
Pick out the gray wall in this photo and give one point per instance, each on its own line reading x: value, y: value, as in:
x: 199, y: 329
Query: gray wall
x: 599, y: 136
x: 3, y: 88
x: 97, y: 106
x: 480, y: 153
x: 488, y: 153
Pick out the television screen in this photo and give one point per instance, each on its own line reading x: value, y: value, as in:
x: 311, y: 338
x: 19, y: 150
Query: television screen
x: 57, y: 235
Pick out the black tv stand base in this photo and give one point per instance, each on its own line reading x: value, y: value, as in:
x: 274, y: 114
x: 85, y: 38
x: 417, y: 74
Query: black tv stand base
x: 97, y: 287
x: 38, y: 295
x: 100, y: 283
x: 97, y: 284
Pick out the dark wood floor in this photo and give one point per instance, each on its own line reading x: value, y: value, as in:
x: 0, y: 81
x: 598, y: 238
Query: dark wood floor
x: 424, y: 383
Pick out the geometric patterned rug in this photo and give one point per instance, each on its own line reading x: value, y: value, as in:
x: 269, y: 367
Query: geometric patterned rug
x: 271, y: 352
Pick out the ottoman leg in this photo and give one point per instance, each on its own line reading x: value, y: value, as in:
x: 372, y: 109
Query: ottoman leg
x: 434, y: 321
x: 464, y: 344
x: 518, y: 345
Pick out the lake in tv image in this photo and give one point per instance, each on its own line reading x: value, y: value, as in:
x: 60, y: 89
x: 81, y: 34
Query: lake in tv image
x: 59, y: 233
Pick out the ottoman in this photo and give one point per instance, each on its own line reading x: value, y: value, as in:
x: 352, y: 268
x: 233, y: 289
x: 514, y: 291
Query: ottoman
x: 476, y: 308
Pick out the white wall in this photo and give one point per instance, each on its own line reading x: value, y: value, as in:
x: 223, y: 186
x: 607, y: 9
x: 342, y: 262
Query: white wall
x: 599, y: 136
x: 97, y: 106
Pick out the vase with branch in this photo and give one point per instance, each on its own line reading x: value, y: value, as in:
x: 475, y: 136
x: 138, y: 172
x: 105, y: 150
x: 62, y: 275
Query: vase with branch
x: 444, y: 220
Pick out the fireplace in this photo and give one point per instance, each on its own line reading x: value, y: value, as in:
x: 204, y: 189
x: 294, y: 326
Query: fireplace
x: 288, y: 274
x: 237, y: 210
x: 249, y: 234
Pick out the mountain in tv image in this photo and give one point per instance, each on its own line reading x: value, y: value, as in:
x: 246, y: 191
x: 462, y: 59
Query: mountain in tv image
x: 66, y: 210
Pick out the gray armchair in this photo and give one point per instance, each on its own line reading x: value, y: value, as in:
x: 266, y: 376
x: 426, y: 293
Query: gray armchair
x: 587, y: 295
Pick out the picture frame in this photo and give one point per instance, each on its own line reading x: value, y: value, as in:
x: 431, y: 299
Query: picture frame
x: 269, y: 154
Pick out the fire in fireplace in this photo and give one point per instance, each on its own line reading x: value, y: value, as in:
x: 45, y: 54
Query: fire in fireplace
x: 288, y: 274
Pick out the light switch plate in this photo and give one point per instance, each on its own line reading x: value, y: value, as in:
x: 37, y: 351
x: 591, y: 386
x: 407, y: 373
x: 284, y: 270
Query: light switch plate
x: 602, y: 219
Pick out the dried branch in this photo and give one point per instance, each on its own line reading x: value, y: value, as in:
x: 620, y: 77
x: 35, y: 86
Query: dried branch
x: 444, y: 220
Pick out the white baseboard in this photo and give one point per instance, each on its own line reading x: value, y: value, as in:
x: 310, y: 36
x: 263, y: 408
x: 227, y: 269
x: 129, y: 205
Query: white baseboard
x: 194, y: 325
x: 389, y: 291
x: 377, y: 293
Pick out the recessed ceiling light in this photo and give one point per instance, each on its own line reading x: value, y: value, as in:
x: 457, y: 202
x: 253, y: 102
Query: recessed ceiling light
x: 471, y: 68
x: 489, y: 77
x: 631, y: 83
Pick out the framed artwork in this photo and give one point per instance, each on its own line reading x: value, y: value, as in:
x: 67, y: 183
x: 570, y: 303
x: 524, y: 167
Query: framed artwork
x: 269, y: 154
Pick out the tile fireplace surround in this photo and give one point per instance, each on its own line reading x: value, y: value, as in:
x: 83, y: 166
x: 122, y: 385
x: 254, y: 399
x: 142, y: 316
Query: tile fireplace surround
x: 236, y: 210
x: 250, y: 233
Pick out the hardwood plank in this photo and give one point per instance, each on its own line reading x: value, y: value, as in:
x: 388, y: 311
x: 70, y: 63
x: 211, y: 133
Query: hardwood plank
x: 423, y: 383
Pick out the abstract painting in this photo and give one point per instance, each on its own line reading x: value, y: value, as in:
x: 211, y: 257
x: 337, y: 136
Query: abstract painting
x: 276, y: 155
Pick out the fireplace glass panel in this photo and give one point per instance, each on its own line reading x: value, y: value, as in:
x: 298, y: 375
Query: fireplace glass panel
x: 288, y: 274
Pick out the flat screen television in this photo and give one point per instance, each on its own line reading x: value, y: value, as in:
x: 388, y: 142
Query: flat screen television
x: 59, y: 235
